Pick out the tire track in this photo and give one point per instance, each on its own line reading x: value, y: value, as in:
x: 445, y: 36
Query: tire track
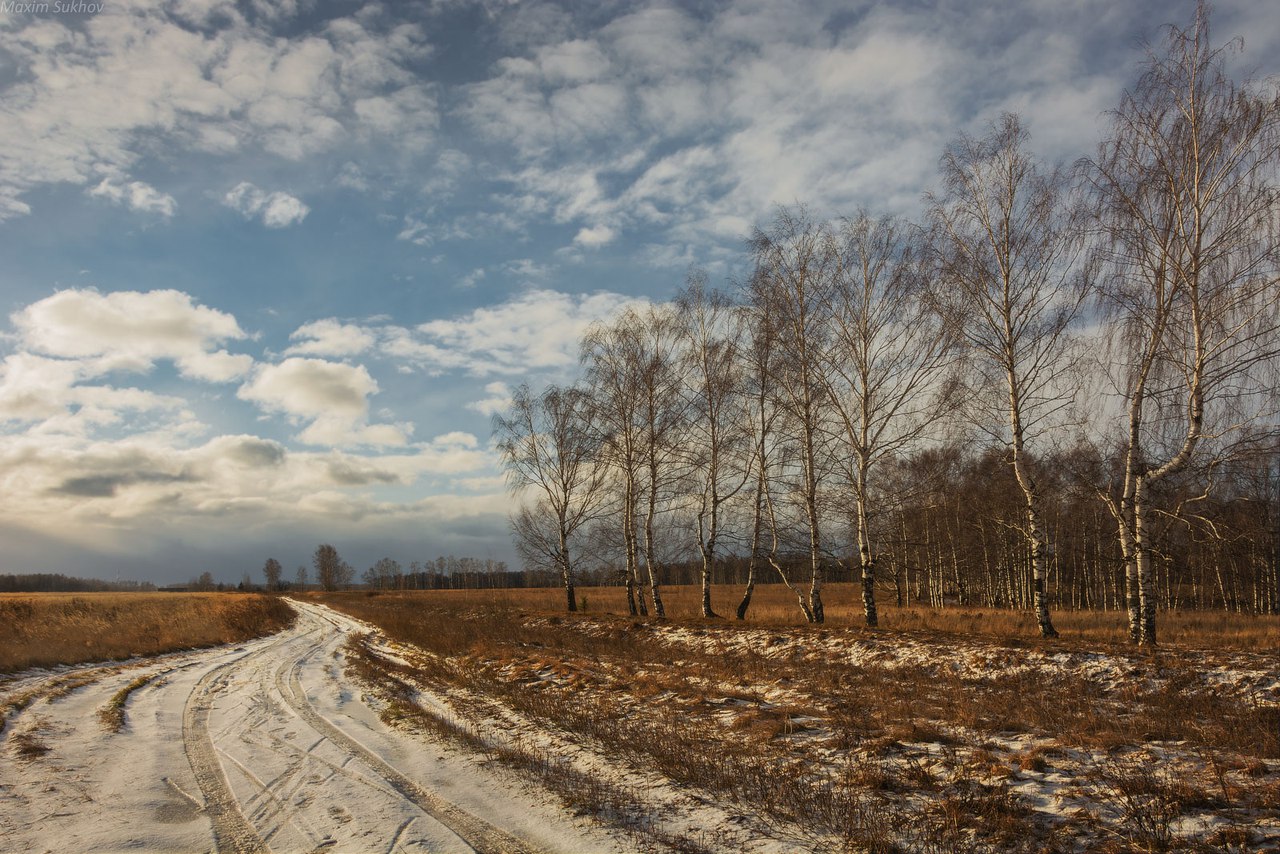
x: 482, y: 837
x: 232, y: 833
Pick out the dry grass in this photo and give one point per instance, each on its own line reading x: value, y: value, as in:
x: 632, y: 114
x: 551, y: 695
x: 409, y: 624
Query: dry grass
x: 112, y: 715
x: 923, y: 755
x: 28, y: 745
x: 609, y: 802
x: 774, y: 605
x: 46, y: 629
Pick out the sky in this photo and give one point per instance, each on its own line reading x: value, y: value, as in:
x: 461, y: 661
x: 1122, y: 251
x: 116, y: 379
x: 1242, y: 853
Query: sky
x: 268, y: 269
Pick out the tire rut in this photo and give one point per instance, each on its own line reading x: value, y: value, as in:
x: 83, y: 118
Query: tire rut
x: 482, y: 837
x: 232, y: 833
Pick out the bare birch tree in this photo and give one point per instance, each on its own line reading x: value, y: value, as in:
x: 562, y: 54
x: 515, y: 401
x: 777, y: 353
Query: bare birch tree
x: 611, y: 355
x: 883, y: 367
x: 715, y: 452
x: 794, y: 263
x: 271, y: 571
x: 1007, y: 247
x: 1186, y: 192
x: 757, y: 356
x: 328, y: 565
x: 549, y: 445
x: 662, y: 419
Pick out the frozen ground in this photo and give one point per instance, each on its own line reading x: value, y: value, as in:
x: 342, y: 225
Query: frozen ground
x: 260, y: 747
x: 283, y: 744
x: 922, y: 743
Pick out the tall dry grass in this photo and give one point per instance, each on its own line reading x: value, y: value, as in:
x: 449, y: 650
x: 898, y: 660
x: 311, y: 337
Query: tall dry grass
x: 774, y: 605
x: 754, y: 727
x: 46, y: 629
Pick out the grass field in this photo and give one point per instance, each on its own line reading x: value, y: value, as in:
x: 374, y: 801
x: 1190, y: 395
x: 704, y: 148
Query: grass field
x: 45, y: 629
x: 774, y: 605
x: 943, y: 730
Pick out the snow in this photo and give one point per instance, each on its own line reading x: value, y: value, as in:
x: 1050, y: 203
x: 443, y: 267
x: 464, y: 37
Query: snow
x: 277, y: 744
x: 297, y: 788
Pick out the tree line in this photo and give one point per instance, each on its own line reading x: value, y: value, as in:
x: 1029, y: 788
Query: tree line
x: 53, y: 582
x: 331, y: 572
x: 1058, y: 388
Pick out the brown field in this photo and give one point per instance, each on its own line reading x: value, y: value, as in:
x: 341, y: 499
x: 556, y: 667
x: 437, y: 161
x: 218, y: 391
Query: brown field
x: 774, y: 605
x: 46, y: 629
x: 943, y: 730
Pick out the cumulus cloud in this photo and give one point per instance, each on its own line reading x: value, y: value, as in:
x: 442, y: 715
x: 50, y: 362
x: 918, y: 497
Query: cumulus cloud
x: 275, y: 210
x: 595, y: 236
x: 136, y: 486
x: 332, y: 396
x: 498, y: 400
x: 311, y: 388
x: 536, y: 331
x: 330, y: 338
x: 130, y: 330
x: 52, y: 394
x: 136, y: 195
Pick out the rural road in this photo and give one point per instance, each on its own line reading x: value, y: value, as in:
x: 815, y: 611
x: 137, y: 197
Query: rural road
x: 261, y: 747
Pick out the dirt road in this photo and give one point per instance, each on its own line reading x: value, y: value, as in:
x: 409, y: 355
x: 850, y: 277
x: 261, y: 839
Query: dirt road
x: 264, y: 747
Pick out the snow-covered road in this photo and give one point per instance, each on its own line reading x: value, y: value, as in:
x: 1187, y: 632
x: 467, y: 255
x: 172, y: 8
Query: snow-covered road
x: 261, y: 747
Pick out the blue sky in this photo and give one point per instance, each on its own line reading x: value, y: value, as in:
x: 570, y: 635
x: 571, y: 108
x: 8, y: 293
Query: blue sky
x: 268, y: 269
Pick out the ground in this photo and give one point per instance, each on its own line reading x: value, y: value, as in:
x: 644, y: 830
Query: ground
x: 417, y: 722
x: 262, y: 746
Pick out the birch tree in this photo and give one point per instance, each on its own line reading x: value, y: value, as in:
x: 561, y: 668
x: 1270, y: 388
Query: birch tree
x: 1186, y: 194
x: 328, y: 565
x: 549, y: 446
x: 794, y: 263
x: 271, y: 571
x: 715, y: 452
x: 769, y: 453
x: 611, y: 355
x: 1007, y: 246
x: 662, y: 420
x: 883, y: 367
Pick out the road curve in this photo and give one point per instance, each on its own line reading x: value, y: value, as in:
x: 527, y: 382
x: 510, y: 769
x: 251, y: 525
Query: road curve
x: 259, y: 748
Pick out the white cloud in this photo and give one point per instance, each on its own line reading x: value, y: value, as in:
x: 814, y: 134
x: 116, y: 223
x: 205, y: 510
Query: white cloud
x: 451, y: 165
x: 130, y: 330
x: 330, y: 338
x: 275, y: 210
x: 595, y: 236
x: 527, y: 268
x: 135, y: 486
x: 416, y: 231
x: 136, y: 195
x: 51, y: 394
x: 499, y: 399
x: 537, y: 331
x: 332, y: 396
x: 698, y: 126
x: 471, y: 279
x: 94, y: 96
x: 352, y: 177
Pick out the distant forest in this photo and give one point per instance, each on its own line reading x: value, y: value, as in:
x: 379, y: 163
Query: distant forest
x: 51, y: 582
